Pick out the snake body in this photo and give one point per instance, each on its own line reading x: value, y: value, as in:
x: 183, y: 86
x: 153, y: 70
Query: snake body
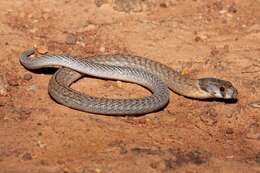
x: 150, y: 74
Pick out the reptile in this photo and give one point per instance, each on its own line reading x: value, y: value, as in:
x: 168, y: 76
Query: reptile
x: 153, y: 75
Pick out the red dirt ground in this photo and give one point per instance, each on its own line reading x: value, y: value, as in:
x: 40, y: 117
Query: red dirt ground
x: 198, y: 37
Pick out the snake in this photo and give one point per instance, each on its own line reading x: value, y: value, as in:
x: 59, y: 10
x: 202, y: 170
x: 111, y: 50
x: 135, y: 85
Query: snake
x: 155, y: 76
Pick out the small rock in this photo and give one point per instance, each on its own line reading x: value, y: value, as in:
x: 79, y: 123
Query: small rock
x: 27, y: 156
x: 27, y: 76
x: 71, y: 39
x: 42, y: 50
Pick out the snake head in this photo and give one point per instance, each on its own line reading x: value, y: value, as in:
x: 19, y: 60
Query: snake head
x: 217, y: 88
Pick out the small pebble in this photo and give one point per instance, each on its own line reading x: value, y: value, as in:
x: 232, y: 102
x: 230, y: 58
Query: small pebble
x: 27, y: 76
x: 42, y: 50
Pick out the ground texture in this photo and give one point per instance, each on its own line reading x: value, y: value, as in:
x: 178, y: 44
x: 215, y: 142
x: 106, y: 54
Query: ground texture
x: 197, y: 37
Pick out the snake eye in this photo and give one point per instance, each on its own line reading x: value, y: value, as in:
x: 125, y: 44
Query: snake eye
x: 222, y: 89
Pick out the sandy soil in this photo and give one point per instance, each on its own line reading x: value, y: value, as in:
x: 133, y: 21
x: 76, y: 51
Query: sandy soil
x: 200, y: 38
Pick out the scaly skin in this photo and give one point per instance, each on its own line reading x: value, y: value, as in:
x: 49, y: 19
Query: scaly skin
x: 130, y: 68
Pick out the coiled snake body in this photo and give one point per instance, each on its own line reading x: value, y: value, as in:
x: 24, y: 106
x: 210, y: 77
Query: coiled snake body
x: 153, y: 75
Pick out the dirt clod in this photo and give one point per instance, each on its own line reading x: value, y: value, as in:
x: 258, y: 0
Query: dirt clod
x: 27, y: 76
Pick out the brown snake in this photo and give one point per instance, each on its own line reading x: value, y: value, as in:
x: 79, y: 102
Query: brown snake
x: 153, y: 75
